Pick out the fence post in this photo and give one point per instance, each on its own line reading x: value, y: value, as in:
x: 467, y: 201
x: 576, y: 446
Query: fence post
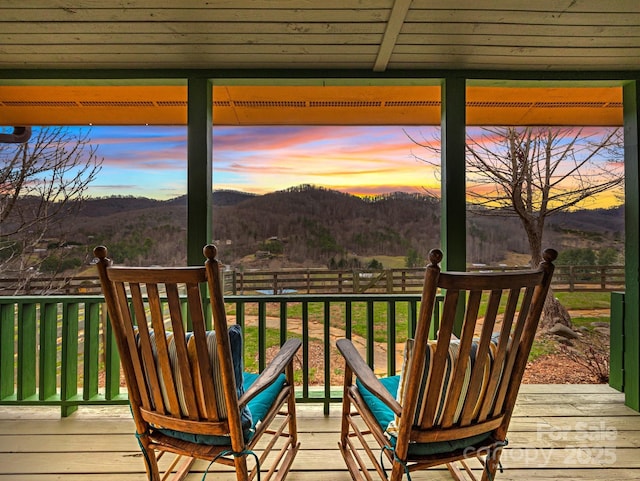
x: 234, y: 288
x: 571, y: 279
x: 389, y: 274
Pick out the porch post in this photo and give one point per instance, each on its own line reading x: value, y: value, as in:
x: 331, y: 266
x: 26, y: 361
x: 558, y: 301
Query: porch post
x: 453, y: 225
x: 631, y: 323
x: 199, y: 167
x: 453, y: 197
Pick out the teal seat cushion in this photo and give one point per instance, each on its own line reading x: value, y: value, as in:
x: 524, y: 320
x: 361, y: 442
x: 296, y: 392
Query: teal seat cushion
x: 257, y: 409
x: 440, y: 447
x: 380, y: 410
x: 384, y: 415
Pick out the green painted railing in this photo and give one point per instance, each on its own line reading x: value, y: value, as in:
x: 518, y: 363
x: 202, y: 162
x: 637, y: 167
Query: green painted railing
x: 57, y: 351
x: 60, y: 350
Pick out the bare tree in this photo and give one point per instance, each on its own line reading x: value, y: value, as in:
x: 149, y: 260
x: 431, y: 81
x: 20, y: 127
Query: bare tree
x: 532, y: 173
x: 42, y: 182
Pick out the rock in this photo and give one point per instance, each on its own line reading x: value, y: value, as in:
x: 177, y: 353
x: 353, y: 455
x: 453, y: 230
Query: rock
x: 600, y: 324
x: 563, y: 331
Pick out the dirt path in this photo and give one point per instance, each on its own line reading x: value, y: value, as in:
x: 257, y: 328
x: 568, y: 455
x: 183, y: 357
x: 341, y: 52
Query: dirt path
x: 550, y: 369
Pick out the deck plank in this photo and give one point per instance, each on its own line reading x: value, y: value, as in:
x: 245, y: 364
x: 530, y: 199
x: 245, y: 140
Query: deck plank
x: 568, y: 432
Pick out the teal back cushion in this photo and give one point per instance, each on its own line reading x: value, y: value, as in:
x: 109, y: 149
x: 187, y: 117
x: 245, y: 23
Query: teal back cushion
x: 237, y: 356
x: 235, y: 338
x: 255, y: 410
x: 236, y: 342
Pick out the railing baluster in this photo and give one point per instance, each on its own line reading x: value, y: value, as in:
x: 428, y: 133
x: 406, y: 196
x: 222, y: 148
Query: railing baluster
x: 7, y: 350
x: 327, y: 355
x: 391, y: 338
x: 91, y: 351
x: 111, y: 360
x: 305, y: 349
x: 69, y: 374
x: 370, y: 334
x: 26, y: 351
x: 262, y: 335
x: 283, y: 322
x: 240, y: 313
x: 412, y: 318
x: 48, y: 350
x: 348, y: 319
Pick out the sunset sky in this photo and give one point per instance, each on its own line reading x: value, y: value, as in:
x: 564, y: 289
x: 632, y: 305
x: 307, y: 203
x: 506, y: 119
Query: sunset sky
x: 151, y: 161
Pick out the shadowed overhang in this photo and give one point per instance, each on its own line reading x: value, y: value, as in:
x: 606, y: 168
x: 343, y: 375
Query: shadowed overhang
x: 307, y: 105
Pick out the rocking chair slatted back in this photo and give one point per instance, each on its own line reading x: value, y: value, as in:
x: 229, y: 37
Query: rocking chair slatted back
x: 455, y: 396
x: 173, y: 369
x: 462, y: 387
x: 183, y: 369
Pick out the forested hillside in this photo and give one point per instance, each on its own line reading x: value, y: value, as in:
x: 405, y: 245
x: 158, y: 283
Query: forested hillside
x: 310, y: 226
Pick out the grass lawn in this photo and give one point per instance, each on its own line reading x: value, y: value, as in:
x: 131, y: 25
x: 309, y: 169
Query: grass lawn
x: 363, y: 311
x: 584, y: 300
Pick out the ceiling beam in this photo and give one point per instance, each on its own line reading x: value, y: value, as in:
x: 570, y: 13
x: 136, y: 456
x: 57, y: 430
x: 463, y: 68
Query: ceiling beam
x: 394, y: 25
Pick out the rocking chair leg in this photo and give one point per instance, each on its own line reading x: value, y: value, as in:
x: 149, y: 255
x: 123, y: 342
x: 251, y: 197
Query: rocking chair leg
x: 151, y: 464
x: 491, y: 465
x: 397, y: 472
x: 242, y: 473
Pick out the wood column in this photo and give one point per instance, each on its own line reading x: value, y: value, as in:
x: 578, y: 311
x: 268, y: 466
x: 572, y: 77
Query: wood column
x: 453, y: 189
x: 631, y: 322
x: 199, y: 167
x: 453, y: 225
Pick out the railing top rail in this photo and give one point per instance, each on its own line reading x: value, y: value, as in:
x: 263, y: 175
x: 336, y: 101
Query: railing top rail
x: 57, y: 298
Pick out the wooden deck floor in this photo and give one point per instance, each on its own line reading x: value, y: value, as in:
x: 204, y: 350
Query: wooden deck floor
x: 567, y: 432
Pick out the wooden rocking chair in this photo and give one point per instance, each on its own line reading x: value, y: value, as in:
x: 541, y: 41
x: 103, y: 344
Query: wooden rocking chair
x: 454, y: 397
x: 187, y: 390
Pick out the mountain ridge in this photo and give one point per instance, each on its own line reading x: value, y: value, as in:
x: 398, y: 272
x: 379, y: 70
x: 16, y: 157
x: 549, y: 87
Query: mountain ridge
x: 312, y: 226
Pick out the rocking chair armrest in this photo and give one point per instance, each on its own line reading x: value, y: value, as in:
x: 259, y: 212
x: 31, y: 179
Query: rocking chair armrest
x: 366, y: 376
x: 272, y: 371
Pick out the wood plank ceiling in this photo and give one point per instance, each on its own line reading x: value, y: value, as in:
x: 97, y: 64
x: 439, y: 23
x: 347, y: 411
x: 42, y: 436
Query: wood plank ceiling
x: 338, y: 39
